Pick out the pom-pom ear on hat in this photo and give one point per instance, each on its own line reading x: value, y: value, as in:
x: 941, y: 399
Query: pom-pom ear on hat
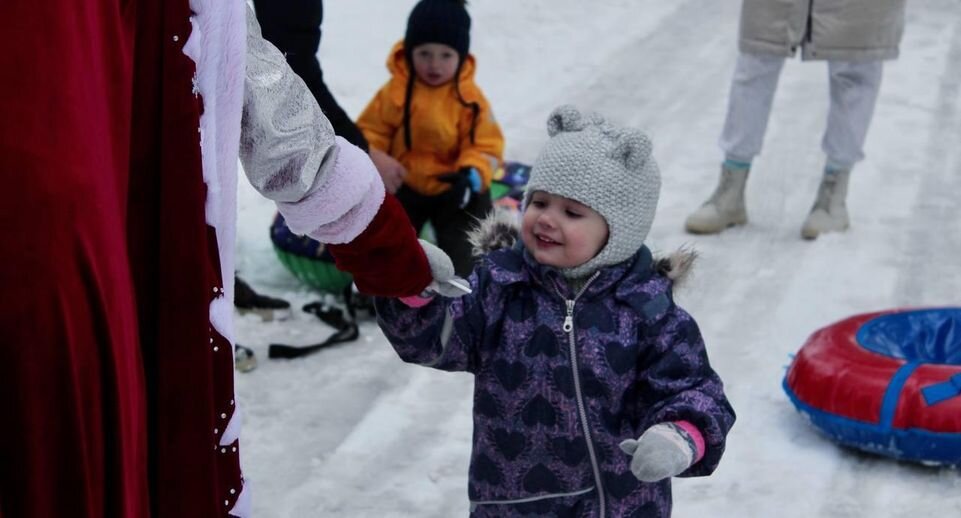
x: 567, y: 117
x: 632, y: 148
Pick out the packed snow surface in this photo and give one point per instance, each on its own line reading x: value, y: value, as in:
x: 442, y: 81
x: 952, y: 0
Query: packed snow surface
x: 354, y: 432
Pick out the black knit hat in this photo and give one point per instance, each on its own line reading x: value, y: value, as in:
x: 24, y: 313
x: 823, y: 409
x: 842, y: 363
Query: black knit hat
x: 439, y: 21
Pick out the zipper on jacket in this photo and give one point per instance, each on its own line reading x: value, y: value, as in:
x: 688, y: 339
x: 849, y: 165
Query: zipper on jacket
x: 809, y: 26
x: 578, y: 393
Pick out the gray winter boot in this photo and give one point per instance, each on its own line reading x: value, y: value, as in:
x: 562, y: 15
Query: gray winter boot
x: 725, y: 208
x: 829, y: 214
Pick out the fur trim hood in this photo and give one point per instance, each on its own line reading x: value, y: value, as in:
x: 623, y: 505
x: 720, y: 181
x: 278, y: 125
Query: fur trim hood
x: 501, y: 229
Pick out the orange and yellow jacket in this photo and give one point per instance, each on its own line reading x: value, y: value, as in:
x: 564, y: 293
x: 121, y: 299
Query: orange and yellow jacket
x: 440, y: 126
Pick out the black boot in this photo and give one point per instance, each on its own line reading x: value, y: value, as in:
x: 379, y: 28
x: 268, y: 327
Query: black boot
x: 248, y: 300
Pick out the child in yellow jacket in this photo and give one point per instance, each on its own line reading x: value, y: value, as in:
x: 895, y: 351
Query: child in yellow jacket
x: 433, y: 119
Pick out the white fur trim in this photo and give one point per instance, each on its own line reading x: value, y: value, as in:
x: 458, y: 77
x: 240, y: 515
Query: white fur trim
x: 242, y: 507
x: 218, y: 46
x: 232, y: 432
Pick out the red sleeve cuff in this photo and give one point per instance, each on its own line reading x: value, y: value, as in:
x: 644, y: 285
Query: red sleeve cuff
x: 385, y: 259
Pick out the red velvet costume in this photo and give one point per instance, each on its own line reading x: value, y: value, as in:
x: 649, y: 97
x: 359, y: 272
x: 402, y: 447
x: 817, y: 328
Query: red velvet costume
x: 115, y: 388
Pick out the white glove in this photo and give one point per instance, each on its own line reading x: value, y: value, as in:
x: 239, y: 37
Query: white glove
x: 446, y: 283
x: 663, y: 450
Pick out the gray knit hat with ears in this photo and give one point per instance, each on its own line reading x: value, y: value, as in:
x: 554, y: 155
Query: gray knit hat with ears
x: 608, y: 168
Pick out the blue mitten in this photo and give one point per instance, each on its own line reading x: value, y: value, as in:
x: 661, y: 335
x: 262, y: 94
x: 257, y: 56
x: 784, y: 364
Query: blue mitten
x: 663, y: 450
x: 465, y: 183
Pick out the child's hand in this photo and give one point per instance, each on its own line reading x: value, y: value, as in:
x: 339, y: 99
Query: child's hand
x: 391, y: 171
x: 465, y: 183
x: 445, y: 283
x: 663, y: 450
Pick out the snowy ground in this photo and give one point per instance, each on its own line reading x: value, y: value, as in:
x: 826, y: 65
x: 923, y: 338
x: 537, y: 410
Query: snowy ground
x: 354, y: 432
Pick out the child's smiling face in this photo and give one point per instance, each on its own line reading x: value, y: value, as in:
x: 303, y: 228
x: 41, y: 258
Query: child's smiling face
x: 561, y: 232
x: 435, y: 63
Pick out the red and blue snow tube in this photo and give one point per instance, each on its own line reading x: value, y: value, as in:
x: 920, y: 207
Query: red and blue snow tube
x: 886, y: 382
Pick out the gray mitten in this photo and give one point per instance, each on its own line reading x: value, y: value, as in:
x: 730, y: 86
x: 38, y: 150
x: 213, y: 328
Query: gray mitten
x: 446, y: 283
x: 663, y: 450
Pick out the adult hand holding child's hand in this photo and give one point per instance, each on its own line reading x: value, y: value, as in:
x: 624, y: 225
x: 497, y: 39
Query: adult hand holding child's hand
x: 446, y: 282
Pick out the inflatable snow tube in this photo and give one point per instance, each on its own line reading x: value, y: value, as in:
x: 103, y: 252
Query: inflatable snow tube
x: 508, y: 184
x: 307, y: 259
x: 886, y: 382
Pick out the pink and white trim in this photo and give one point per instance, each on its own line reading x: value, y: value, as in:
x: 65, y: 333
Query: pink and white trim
x: 340, y: 209
x: 217, y: 46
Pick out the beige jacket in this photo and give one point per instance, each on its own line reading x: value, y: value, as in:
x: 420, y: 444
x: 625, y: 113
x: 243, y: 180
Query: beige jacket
x: 843, y: 30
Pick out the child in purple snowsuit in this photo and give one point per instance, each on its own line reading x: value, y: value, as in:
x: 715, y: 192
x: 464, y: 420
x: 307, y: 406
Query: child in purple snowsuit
x: 592, y: 387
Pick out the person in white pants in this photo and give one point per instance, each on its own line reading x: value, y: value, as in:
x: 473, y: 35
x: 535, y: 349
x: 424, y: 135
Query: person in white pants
x: 855, y: 41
